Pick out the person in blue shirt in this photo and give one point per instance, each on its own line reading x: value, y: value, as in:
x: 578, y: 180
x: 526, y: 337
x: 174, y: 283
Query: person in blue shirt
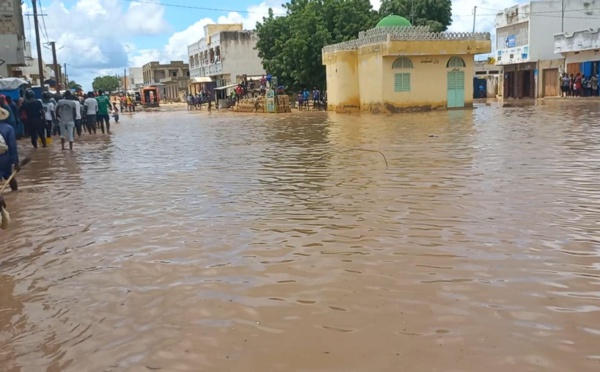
x: 12, y: 118
x: 305, y: 96
x: 9, y: 160
x: 269, y: 78
x: 20, y: 130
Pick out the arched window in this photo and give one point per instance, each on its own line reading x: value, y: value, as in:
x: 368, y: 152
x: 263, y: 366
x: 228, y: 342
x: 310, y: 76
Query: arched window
x: 456, y: 62
x: 402, y: 62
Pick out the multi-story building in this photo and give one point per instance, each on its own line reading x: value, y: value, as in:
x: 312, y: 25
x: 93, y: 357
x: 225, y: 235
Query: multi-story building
x: 30, y: 71
x: 224, y: 55
x: 12, y: 36
x: 171, y: 79
x: 581, y: 50
x: 525, y: 43
x: 135, y: 79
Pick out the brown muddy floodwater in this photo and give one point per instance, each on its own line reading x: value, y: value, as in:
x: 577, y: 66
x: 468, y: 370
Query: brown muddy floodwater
x: 196, y: 242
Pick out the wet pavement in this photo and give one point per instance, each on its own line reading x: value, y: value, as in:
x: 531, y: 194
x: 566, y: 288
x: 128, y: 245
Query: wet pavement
x: 196, y: 242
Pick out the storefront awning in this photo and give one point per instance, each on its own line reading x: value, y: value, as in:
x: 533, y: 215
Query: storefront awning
x: 226, y: 87
x: 201, y: 79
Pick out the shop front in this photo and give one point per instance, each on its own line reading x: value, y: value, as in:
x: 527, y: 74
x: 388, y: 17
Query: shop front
x: 520, y: 80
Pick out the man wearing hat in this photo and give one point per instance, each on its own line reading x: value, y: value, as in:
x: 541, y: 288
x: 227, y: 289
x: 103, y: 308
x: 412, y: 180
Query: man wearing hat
x: 9, y: 159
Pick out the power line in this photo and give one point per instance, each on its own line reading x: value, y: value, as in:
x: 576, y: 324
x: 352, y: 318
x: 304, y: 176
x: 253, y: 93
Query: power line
x: 193, y: 7
x: 43, y: 21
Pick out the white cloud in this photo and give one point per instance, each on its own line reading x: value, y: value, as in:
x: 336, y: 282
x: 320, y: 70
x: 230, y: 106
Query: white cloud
x: 176, y: 48
x: 95, y: 35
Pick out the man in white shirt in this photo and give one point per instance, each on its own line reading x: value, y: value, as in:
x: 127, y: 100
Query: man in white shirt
x: 78, y: 117
x: 49, y: 108
x: 91, y: 108
x: 66, y: 112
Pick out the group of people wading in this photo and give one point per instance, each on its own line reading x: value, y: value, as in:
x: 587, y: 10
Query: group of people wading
x: 53, y: 115
x: 65, y: 115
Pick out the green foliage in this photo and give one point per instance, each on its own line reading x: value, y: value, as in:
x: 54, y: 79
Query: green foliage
x: 73, y: 85
x: 290, y: 46
x: 106, y: 83
x: 437, y: 14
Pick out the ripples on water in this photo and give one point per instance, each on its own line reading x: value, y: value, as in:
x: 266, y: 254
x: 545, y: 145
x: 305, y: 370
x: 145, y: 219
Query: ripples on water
x: 189, y: 242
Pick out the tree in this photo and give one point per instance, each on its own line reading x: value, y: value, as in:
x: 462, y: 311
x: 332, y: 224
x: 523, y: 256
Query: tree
x: 106, y: 83
x: 290, y: 46
x: 73, y: 85
x: 437, y: 14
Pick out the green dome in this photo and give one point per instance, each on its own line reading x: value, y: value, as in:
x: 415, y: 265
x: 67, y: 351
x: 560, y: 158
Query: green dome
x: 392, y: 21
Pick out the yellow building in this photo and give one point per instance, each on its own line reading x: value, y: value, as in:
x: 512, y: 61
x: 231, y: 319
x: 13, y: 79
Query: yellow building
x: 396, y: 67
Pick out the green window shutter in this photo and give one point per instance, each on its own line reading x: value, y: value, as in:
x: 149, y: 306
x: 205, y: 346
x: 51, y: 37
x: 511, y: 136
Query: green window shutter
x: 402, y: 82
x: 406, y: 82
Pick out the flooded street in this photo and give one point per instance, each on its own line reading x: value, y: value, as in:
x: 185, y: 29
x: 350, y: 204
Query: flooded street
x: 197, y: 242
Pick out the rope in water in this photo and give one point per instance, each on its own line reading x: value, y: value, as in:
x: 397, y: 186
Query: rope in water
x: 349, y: 150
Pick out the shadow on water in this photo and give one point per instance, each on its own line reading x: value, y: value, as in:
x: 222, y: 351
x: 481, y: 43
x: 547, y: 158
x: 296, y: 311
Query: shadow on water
x: 201, y: 242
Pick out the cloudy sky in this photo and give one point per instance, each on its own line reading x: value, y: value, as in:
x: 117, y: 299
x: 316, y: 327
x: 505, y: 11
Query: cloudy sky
x: 96, y: 37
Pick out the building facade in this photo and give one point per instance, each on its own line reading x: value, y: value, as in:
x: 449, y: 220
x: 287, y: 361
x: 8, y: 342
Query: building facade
x: 488, y: 74
x: 135, y: 78
x: 581, y: 50
x: 171, y: 79
x: 31, y: 72
x: 12, y: 37
x: 396, y: 67
x: 226, y: 53
x: 525, y: 44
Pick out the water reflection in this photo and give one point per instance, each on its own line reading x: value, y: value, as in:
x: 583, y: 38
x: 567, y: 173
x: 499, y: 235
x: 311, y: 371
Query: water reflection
x: 216, y: 249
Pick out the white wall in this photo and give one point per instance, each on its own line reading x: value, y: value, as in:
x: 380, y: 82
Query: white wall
x: 577, y: 41
x: 585, y: 56
x: 238, y: 54
x: 546, y: 21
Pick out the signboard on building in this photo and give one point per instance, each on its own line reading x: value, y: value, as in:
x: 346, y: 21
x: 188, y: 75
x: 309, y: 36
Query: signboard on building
x: 511, y: 41
x: 513, y: 55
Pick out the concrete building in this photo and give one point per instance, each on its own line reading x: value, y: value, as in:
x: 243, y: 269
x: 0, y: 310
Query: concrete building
x: 135, y: 78
x: 488, y: 74
x: 525, y: 43
x: 221, y: 57
x: 171, y: 79
x: 31, y: 72
x: 12, y: 37
x: 581, y: 50
x: 395, y: 67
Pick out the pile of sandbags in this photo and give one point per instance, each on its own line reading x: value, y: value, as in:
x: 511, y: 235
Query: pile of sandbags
x: 250, y: 105
x: 258, y: 104
x: 283, y: 103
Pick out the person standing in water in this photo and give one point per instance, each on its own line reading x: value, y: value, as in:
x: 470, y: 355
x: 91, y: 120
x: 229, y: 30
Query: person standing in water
x: 78, y: 112
x: 103, y: 111
x: 91, y: 110
x: 66, y: 110
x: 49, y: 112
x: 36, y: 121
x: 9, y: 157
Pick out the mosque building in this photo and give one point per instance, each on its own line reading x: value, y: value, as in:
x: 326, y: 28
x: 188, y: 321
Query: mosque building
x: 397, y: 67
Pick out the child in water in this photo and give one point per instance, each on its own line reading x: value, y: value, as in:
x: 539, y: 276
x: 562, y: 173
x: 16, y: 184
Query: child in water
x: 115, y: 113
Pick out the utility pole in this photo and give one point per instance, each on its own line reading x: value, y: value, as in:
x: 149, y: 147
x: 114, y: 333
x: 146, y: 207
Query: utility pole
x: 55, y: 65
x: 474, y: 17
x: 66, y: 77
x: 562, y: 26
x: 38, y: 44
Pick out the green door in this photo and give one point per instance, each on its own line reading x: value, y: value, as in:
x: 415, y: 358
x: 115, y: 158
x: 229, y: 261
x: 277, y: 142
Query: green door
x: 456, y: 89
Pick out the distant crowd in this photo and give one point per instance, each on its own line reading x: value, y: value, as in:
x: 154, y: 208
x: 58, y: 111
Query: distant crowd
x: 250, y: 89
x: 579, y: 85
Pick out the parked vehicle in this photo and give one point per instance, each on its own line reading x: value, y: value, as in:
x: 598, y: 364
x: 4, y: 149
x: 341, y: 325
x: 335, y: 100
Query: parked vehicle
x: 149, y: 96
